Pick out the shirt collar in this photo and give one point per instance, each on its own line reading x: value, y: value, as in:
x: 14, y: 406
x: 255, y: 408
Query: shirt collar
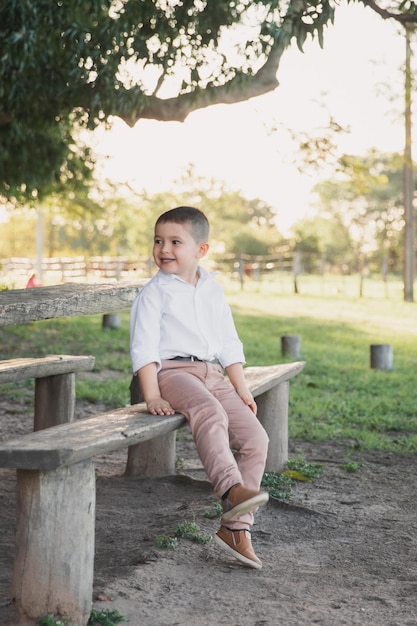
x: 165, y: 278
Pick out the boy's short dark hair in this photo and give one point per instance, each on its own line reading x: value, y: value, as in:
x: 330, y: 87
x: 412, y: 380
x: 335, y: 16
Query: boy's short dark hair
x: 200, y: 228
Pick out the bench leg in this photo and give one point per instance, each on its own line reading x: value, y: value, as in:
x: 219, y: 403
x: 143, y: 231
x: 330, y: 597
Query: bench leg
x: 273, y: 415
x: 150, y: 458
x: 54, y: 563
x: 54, y: 400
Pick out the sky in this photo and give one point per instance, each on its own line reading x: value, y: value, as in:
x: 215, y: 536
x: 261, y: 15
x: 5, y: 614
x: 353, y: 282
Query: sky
x: 235, y: 144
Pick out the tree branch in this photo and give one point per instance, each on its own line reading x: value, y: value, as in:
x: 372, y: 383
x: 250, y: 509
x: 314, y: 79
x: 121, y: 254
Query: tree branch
x: 402, y: 18
x: 178, y: 108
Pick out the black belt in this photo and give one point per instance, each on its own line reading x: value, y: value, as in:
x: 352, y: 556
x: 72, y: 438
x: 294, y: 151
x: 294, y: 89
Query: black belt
x: 186, y: 358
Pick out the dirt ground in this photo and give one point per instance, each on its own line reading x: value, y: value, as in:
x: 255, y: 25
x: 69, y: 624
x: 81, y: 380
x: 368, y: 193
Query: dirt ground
x: 342, y: 552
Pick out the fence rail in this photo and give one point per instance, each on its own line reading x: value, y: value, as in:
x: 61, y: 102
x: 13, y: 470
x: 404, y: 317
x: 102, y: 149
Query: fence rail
x: 66, y: 269
x: 289, y: 271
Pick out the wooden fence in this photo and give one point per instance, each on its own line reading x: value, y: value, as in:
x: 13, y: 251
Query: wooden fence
x: 67, y: 269
x: 289, y: 270
x: 18, y: 270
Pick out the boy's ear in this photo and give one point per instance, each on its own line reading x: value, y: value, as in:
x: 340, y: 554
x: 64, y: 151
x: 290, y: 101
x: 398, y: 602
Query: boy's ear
x: 204, y: 248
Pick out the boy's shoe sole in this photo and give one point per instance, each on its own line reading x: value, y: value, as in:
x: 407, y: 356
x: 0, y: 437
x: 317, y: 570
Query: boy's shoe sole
x: 246, y: 506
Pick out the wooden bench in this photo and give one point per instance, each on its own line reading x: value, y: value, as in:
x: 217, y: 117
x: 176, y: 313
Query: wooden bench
x: 54, y: 384
x: 54, y: 561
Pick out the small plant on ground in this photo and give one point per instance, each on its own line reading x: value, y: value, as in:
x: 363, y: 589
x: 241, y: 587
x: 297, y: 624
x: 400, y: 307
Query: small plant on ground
x: 303, y: 469
x: 162, y: 541
x: 191, y: 530
x: 214, y: 511
x: 179, y: 464
x: 109, y: 617
x: 277, y: 485
x: 280, y: 485
x: 51, y: 620
x: 351, y: 466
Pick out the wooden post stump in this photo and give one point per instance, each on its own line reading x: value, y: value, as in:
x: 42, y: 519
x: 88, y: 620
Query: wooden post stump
x: 54, y: 564
x: 291, y: 345
x: 381, y: 357
x: 111, y: 320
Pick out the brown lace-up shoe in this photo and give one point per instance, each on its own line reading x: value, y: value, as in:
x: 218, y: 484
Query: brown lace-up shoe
x: 238, y: 544
x: 241, y: 500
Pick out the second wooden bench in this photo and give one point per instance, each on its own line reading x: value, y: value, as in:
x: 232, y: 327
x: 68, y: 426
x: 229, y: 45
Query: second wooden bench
x: 54, y: 384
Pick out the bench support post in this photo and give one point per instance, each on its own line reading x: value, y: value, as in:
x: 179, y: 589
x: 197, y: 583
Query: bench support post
x: 54, y: 564
x: 150, y: 458
x: 54, y: 400
x: 273, y: 415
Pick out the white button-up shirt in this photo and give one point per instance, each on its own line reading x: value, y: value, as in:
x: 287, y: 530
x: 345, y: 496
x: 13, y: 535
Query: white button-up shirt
x: 170, y: 317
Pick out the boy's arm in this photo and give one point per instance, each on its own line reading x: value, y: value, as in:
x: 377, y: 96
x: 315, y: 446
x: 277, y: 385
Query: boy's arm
x: 148, y: 379
x: 237, y: 378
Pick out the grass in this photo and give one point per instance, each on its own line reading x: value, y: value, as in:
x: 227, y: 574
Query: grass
x: 191, y: 531
x: 336, y: 397
x: 110, y: 617
x: 164, y: 541
x: 51, y: 620
x: 184, y: 530
x: 281, y: 485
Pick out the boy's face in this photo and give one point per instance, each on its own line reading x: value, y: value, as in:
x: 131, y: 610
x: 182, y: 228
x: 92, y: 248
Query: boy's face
x: 175, y: 250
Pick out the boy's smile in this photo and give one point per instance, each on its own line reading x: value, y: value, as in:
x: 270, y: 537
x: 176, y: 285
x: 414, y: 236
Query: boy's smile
x: 175, y: 250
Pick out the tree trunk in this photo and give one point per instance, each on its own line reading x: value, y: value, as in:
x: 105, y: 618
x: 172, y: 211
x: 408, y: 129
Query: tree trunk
x: 409, y: 237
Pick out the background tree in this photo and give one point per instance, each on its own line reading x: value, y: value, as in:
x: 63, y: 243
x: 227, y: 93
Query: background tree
x: 120, y: 222
x: 324, y: 243
x: 366, y: 197
x: 238, y: 225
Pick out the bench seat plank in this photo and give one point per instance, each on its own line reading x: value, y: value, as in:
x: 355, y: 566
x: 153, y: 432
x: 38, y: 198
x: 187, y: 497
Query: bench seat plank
x: 23, y: 368
x: 21, y: 306
x: 263, y: 378
x: 71, y: 443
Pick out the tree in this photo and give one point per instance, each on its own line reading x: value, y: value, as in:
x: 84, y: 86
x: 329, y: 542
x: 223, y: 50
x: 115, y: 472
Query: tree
x: 323, y: 241
x: 366, y: 196
x: 238, y: 225
x: 409, y: 271
x: 66, y: 65
x: 121, y: 224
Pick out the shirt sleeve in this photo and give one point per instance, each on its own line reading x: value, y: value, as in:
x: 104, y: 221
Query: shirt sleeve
x: 145, y: 328
x: 232, y: 347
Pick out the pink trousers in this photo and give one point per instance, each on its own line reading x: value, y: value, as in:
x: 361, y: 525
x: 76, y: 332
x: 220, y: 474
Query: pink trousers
x: 230, y: 440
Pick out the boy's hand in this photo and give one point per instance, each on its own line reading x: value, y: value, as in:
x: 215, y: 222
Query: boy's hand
x: 159, y: 406
x: 247, y: 398
x: 237, y: 378
x: 149, y: 383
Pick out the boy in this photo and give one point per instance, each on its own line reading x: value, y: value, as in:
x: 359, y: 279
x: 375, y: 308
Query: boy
x: 182, y: 338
